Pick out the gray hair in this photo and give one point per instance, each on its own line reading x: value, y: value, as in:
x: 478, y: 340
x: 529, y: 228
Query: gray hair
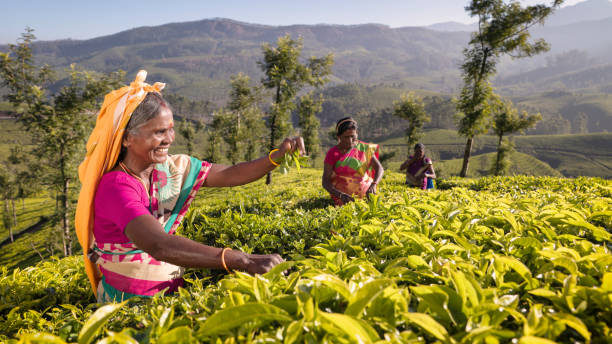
x: 148, y: 109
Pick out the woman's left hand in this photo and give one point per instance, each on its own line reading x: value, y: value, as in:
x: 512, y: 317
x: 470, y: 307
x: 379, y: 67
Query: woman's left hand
x: 372, y: 189
x: 262, y: 263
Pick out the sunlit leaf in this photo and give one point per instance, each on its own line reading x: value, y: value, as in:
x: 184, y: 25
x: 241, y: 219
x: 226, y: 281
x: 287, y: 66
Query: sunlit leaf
x: 96, y: 321
x: 232, y: 317
x: 358, y: 331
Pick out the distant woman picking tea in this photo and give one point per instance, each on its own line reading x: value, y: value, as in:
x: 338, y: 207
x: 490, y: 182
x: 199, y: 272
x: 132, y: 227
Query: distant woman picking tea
x: 419, y: 169
x: 351, y: 168
x: 134, y: 196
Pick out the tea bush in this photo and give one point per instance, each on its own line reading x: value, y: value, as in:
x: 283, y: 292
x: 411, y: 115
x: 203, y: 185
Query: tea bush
x: 492, y: 260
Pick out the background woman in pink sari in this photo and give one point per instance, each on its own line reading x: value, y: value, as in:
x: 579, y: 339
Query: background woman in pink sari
x: 351, y: 168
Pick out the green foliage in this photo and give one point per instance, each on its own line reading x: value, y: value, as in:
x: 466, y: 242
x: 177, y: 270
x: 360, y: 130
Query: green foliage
x: 196, y: 110
x: 307, y: 108
x: 58, y: 123
x: 286, y: 76
x: 241, y: 124
x: 496, y: 259
x: 517, y: 164
x: 501, y: 164
x: 506, y: 120
x: 411, y: 108
x: 291, y: 159
x: 503, y: 29
x: 187, y: 130
x: 215, y: 129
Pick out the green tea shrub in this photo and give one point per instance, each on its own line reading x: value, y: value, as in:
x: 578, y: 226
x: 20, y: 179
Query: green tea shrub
x: 492, y: 260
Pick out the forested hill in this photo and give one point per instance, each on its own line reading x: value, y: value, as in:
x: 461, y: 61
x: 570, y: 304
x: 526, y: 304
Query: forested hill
x: 207, y: 52
x: 197, y: 58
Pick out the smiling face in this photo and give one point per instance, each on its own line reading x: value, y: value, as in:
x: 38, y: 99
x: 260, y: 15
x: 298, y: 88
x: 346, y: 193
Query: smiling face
x: 149, y: 143
x: 348, y: 139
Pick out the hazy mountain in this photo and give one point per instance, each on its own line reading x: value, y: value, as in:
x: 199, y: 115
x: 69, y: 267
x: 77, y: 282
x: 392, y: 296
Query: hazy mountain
x: 452, y: 26
x: 206, y: 53
x: 583, y: 11
x: 198, y: 58
x: 587, y: 35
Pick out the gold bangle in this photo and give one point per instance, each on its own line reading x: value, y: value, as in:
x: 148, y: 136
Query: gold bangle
x: 223, y: 259
x: 270, y: 157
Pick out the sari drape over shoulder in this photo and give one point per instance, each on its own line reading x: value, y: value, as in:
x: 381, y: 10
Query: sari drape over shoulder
x: 353, y: 172
x: 128, y: 271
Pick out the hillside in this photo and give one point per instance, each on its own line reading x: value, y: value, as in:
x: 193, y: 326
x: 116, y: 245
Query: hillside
x: 563, y: 112
x: 197, y: 58
x: 572, y: 155
x: 206, y: 53
x: 480, y: 166
x: 569, y: 154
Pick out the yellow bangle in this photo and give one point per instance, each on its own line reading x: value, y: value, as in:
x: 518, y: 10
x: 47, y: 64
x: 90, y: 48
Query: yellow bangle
x: 270, y: 157
x: 223, y: 259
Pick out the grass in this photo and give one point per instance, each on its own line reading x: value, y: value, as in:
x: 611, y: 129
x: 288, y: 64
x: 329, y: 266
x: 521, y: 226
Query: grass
x: 28, y: 212
x: 25, y: 250
x: 522, y: 164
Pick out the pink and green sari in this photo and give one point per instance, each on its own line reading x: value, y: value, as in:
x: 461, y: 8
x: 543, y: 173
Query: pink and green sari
x: 128, y: 271
x: 353, y: 172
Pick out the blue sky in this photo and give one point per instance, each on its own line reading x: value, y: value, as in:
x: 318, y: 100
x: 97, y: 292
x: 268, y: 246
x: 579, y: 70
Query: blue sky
x: 83, y: 19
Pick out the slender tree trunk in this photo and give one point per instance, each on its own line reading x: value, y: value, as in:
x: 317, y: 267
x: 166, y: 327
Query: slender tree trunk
x: 66, y: 220
x: 7, y: 220
x: 466, y: 157
x: 497, y: 160
x: 479, y: 79
x: 273, y: 132
x: 67, y: 241
x: 37, y: 251
x: 272, y: 127
x: 14, y: 213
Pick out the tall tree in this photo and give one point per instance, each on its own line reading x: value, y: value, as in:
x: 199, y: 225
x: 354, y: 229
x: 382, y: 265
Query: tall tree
x: 285, y: 75
x: 307, y: 109
x: 243, y: 128
x: 503, y: 29
x: 187, y: 131
x: 506, y: 121
x: 411, y: 108
x: 215, y: 128
x: 58, y: 123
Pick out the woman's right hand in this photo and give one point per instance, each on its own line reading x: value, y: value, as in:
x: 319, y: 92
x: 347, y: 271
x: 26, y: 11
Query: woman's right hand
x: 289, y: 145
x: 262, y: 263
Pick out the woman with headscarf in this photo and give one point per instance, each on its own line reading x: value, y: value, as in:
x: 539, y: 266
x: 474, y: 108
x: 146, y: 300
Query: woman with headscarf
x: 419, y: 169
x: 134, y: 196
x: 351, y: 168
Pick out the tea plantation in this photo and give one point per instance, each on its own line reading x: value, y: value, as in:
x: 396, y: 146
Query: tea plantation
x: 491, y: 260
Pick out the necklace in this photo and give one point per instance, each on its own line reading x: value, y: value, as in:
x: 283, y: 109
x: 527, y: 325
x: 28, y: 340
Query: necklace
x: 128, y: 171
x: 344, y: 151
